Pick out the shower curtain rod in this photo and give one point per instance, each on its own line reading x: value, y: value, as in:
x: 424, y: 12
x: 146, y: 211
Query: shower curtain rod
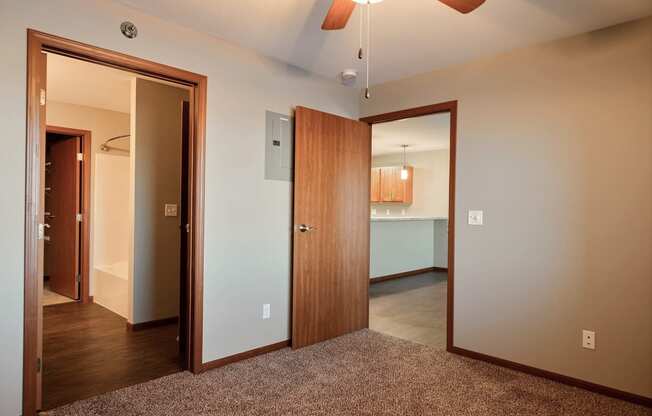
x: 105, y: 146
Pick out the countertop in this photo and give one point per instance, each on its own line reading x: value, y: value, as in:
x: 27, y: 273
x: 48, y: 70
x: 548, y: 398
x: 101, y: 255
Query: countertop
x: 406, y: 218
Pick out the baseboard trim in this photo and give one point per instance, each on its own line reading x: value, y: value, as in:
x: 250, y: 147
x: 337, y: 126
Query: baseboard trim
x: 560, y: 378
x: 152, y: 324
x: 243, y: 355
x: 406, y: 274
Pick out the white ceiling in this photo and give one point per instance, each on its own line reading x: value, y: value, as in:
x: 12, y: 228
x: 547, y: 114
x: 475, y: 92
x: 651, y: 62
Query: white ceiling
x: 77, y: 82
x: 408, y: 36
x: 422, y: 134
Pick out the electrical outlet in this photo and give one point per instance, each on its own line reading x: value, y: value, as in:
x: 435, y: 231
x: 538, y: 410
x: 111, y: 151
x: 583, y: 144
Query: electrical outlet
x: 266, y: 311
x: 588, y: 339
x: 170, y: 210
x: 373, y: 211
x: 387, y: 212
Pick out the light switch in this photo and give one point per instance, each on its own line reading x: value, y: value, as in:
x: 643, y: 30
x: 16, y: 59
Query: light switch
x: 475, y: 217
x: 170, y: 210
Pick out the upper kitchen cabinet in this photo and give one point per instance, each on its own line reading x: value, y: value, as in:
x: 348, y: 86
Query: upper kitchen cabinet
x: 375, y: 185
x: 387, y: 185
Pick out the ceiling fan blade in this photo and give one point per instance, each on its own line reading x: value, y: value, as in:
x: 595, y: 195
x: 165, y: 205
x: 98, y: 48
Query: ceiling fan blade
x: 338, y: 14
x: 463, y: 6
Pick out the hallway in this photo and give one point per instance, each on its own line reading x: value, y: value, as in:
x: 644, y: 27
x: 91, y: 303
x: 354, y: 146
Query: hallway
x: 87, y: 350
x: 412, y: 308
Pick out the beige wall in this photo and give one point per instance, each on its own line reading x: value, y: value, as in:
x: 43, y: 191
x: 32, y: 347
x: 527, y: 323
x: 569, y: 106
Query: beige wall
x: 155, y: 181
x: 108, y: 234
x: 430, y: 192
x: 248, y: 219
x: 555, y: 145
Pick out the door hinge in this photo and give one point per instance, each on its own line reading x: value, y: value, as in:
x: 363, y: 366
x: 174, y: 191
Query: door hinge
x: 42, y: 96
x: 187, y: 228
x: 78, y: 278
x: 39, y: 365
x: 80, y: 157
x: 79, y: 217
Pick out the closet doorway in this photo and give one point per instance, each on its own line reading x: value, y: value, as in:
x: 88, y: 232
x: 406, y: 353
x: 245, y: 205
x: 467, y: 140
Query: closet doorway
x: 67, y: 215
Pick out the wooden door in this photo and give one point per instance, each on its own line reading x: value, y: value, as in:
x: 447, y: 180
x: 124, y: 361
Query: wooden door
x: 375, y: 185
x: 37, y: 384
x: 331, y: 226
x: 62, y: 204
x: 184, y: 224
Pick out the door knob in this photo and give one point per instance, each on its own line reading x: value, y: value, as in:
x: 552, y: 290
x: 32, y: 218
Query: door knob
x: 304, y: 228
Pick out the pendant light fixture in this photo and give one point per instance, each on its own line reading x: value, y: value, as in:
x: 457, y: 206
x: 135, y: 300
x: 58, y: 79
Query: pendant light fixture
x: 404, y: 170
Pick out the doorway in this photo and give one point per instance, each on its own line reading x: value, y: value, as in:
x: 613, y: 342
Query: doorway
x: 331, y: 245
x: 70, y: 319
x: 412, y: 196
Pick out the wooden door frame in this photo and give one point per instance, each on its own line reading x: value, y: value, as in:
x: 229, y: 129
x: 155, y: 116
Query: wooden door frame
x: 37, y: 43
x: 85, y: 234
x: 445, y: 107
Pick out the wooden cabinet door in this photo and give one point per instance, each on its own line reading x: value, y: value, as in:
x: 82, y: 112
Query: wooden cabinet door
x: 391, y: 184
x: 375, y: 185
x: 407, y: 185
x: 393, y: 188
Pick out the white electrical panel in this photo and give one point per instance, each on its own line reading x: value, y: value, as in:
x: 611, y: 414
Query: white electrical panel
x: 279, y: 143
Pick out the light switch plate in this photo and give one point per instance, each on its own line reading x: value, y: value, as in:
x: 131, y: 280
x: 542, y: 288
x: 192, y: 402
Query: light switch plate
x: 170, y: 210
x: 475, y: 217
x: 266, y: 311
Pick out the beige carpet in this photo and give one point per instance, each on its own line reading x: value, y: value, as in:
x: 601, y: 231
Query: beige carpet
x: 365, y: 373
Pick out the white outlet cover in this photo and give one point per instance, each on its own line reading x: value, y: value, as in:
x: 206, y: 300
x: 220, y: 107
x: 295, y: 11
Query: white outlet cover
x: 266, y: 311
x: 476, y: 217
x: 171, y: 210
x: 588, y: 339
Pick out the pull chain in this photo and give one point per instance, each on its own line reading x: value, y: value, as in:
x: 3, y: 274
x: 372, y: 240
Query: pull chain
x: 361, y: 27
x: 367, y: 95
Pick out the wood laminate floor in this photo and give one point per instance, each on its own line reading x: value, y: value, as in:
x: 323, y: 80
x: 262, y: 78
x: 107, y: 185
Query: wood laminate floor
x: 88, y: 351
x: 411, y: 308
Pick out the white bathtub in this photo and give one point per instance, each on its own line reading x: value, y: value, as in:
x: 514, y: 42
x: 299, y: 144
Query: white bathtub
x: 111, y: 287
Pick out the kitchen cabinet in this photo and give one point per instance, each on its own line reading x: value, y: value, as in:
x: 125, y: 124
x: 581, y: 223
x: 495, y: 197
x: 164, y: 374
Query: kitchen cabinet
x: 387, y: 185
x: 375, y: 185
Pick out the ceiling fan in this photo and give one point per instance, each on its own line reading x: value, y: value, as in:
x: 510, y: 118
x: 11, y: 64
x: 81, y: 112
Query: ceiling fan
x: 341, y: 10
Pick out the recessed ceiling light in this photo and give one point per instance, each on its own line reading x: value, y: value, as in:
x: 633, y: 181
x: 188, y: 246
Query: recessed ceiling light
x: 367, y: 1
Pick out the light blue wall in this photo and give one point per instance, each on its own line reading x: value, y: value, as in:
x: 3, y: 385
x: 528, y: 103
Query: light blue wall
x: 406, y: 245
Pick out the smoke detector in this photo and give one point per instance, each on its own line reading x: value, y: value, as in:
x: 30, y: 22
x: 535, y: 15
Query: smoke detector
x: 349, y: 76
